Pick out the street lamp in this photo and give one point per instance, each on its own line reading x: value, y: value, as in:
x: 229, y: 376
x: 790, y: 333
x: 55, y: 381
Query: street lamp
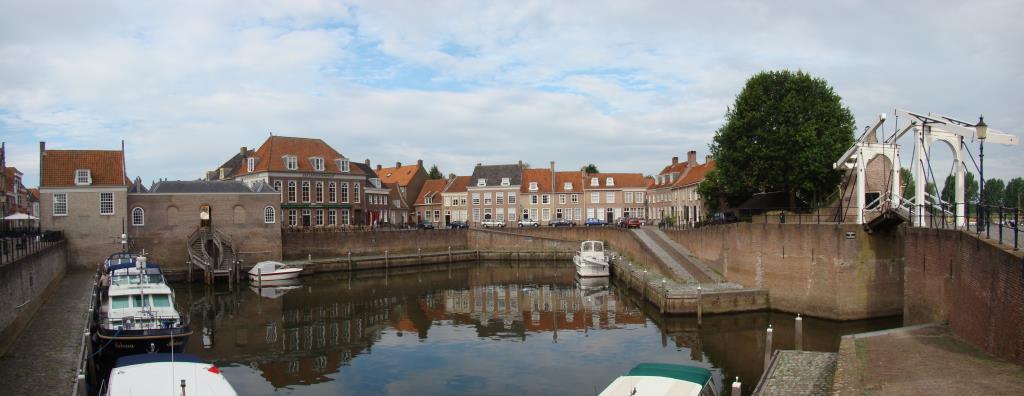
x: 982, y: 132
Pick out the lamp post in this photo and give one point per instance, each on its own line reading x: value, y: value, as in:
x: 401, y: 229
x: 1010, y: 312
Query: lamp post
x: 982, y: 132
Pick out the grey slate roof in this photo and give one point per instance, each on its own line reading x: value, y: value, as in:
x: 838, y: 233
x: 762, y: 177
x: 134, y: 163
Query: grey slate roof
x: 494, y: 174
x: 202, y: 186
x: 370, y: 173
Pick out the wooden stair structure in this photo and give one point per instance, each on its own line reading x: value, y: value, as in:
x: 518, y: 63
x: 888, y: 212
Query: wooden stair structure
x: 214, y: 253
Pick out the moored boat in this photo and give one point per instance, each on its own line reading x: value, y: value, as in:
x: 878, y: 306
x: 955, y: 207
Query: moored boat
x: 591, y: 259
x: 165, y: 374
x: 647, y: 379
x: 272, y: 271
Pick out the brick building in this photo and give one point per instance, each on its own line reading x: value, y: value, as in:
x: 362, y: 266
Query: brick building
x: 376, y: 200
x: 84, y: 194
x: 569, y: 202
x: 610, y: 196
x: 537, y: 195
x: 494, y: 192
x: 673, y: 193
x: 429, y: 204
x: 409, y: 179
x: 456, y: 202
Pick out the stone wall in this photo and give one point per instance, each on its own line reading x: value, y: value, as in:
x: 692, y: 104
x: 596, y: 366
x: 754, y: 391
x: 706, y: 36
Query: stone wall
x: 24, y: 284
x: 300, y: 245
x: 810, y: 269
x: 976, y: 286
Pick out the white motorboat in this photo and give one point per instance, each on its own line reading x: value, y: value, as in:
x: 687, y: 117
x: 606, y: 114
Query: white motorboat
x: 591, y: 259
x: 648, y: 379
x: 271, y: 271
x: 166, y: 374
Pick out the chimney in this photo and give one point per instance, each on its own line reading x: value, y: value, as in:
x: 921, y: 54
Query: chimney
x: 675, y: 160
x: 479, y: 164
x: 553, y: 181
x: 707, y: 159
x: 520, y: 163
x: 42, y: 154
x: 691, y: 158
x: 243, y: 150
x: 419, y: 162
x: 367, y: 162
x: 379, y: 167
x: 398, y: 164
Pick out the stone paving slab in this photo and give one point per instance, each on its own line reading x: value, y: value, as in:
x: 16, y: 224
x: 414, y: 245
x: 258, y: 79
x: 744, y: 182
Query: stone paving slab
x: 44, y: 359
x: 798, y: 373
x: 921, y: 360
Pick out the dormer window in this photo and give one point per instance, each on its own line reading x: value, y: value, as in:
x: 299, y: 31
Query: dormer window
x: 250, y: 164
x: 291, y: 162
x: 343, y: 164
x: 609, y: 182
x: 428, y: 200
x: 317, y: 163
x: 375, y: 181
x: 567, y: 186
x: 83, y: 177
x: 593, y: 182
x: 533, y: 186
x: 481, y: 182
x: 506, y: 181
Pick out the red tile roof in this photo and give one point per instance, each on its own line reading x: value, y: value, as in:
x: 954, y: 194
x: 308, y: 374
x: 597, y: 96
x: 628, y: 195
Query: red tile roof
x: 105, y: 166
x: 620, y: 180
x: 270, y: 156
x: 458, y: 185
x: 402, y: 175
x: 540, y: 176
x: 34, y: 192
x: 431, y: 188
x: 695, y: 174
x: 574, y: 177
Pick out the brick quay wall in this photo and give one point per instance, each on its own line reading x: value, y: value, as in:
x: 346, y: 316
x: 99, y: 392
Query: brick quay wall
x: 974, y: 285
x: 829, y: 271
x: 24, y: 285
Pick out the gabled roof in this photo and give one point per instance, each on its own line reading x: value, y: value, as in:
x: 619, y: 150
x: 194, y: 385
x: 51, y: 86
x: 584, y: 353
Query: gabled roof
x: 366, y: 169
x: 694, y: 174
x: 540, y: 176
x: 492, y: 174
x: 574, y: 177
x: 431, y: 188
x: 396, y: 200
x: 106, y: 167
x: 9, y: 175
x: 270, y: 156
x: 458, y: 185
x: 619, y: 180
x: 402, y: 175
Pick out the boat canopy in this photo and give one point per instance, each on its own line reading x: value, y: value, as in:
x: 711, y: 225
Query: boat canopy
x: 697, y: 375
x: 592, y: 246
x: 266, y: 267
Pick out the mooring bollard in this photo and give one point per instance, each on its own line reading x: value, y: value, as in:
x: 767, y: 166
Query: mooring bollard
x: 644, y: 285
x: 737, y: 387
x: 449, y: 255
x: 419, y: 255
x: 664, y: 294
x: 799, y: 334
x: 309, y: 257
x: 700, y: 302
x: 768, y: 347
x: 259, y: 278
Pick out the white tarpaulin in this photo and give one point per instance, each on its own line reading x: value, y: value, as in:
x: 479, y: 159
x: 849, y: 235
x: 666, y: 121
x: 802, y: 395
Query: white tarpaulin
x: 21, y: 216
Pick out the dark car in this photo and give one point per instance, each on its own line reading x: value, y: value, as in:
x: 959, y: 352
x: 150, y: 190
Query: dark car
x: 561, y: 223
x: 592, y: 222
x: 723, y: 218
x: 425, y: 224
x: 458, y: 224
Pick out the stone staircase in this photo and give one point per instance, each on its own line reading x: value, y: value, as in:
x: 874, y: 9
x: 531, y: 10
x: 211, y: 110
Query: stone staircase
x: 213, y: 252
x: 685, y: 266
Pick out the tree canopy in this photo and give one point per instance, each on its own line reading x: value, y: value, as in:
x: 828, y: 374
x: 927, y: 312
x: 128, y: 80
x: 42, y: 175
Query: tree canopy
x: 970, y: 189
x: 994, y: 189
x: 590, y: 168
x: 434, y: 173
x: 907, y: 178
x: 782, y: 134
x: 1014, y: 193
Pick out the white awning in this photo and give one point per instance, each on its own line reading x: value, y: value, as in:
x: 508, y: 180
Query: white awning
x: 21, y: 216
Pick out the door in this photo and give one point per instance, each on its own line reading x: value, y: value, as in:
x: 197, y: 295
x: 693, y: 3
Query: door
x: 306, y: 218
x: 610, y: 215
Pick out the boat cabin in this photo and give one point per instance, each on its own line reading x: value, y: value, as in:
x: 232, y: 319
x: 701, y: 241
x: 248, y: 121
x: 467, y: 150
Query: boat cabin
x: 592, y: 247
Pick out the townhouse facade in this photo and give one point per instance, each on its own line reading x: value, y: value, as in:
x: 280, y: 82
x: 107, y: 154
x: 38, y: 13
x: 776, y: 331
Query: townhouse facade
x: 17, y: 197
x: 569, y: 203
x: 409, y: 180
x: 319, y: 186
x: 611, y: 196
x: 430, y: 203
x: 537, y: 195
x: 673, y: 194
x: 455, y: 204
x: 376, y: 202
x: 83, y: 193
x: 493, y: 192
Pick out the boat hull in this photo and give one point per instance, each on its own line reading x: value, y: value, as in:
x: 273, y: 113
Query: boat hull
x: 590, y: 268
x: 111, y: 344
x: 290, y: 273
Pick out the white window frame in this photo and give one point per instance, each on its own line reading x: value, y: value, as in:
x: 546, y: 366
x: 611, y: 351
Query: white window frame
x: 344, y: 166
x: 318, y: 192
x: 344, y: 193
x: 355, y: 193
x: 561, y: 199
x: 138, y: 216
x: 499, y: 198
x: 574, y: 198
x: 595, y: 197
x: 487, y: 198
x: 317, y: 163
x: 476, y: 199
x: 291, y: 162
x: 293, y: 195
x: 332, y: 217
x: 593, y: 182
x: 545, y: 199
x: 250, y: 164
x: 609, y: 197
x: 269, y: 215
x: 306, y: 196
x: 545, y: 214
x: 609, y: 182
x: 110, y: 195
x: 277, y: 187
x: 332, y: 192
x: 511, y: 198
x: 627, y: 197
x: 481, y: 182
x: 293, y: 217
x: 567, y: 186
x: 533, y: 186
x: 505, y: 182
x: 83, y: 177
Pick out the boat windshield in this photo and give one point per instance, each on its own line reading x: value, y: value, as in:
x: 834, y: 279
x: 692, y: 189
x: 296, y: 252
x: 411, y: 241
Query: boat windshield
x: 137, y: 300
x: 593, y: 246
x: 123, y: 280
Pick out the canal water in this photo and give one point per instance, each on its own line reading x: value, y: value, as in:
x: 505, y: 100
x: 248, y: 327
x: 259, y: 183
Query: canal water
x: 469, y: 329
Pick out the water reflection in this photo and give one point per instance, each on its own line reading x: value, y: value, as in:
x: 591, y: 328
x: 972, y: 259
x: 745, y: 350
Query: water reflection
x: 469, y: 329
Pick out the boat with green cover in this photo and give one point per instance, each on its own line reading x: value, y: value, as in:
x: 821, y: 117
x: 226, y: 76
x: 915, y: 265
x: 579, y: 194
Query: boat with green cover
x: 663, y: 379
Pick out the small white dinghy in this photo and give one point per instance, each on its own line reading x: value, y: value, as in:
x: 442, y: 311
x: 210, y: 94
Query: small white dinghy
x: 166, y: 374
x: 591, y: 260
x: 272, y: 270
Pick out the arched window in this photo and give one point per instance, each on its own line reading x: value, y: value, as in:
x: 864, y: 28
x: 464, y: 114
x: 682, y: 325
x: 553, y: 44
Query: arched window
x: 239, y: 214
x: 138, y: 217
x: 269, y: 215
x: 291, y: 191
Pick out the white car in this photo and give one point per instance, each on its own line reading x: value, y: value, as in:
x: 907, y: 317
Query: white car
x: 528, y: 223
x: 492, y: 223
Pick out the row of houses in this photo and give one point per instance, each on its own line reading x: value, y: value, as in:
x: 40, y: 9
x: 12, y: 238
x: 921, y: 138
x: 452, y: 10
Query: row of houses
x: 15, y: 198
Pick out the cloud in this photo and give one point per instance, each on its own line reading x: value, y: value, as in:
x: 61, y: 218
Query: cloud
x: 623, y: 85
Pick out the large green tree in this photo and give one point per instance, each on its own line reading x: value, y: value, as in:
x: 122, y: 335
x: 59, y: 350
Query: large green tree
x: 970, y: 189
x: 907, y: 178
x: 994, y: 189
x: 1014, y: 193
x: 782, y: 134
x: 589, y: 168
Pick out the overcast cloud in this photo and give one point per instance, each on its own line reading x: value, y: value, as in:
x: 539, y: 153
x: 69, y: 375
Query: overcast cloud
x: 626, y: 84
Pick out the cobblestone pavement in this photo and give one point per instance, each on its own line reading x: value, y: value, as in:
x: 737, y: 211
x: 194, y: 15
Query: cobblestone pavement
x: 44, y: 359
x: 799, y: 373
x: 925, y: 360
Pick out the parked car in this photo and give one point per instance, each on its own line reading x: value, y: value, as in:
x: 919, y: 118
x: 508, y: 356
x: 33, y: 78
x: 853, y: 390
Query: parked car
x: 592, y: 222
x: 425, y: 224
x: 458, y: 224
x: 491, y: 223
x: 561, y: 223
x: 723, y: 218
x: 633, y: 222
x: 528, y: 223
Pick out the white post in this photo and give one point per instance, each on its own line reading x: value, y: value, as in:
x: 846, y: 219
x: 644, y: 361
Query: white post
x: 799, y: 334
x: 919, y: 179
x: 961, y: 201
x: 894, y: 189
x: 737, y: 388
x: 768, y: 347
x: 859, y: 190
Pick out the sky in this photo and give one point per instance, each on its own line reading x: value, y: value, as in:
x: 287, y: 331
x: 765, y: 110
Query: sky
x: 626, y: 85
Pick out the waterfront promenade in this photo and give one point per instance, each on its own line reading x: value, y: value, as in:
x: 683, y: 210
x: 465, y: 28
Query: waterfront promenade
x: 44, y: 358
